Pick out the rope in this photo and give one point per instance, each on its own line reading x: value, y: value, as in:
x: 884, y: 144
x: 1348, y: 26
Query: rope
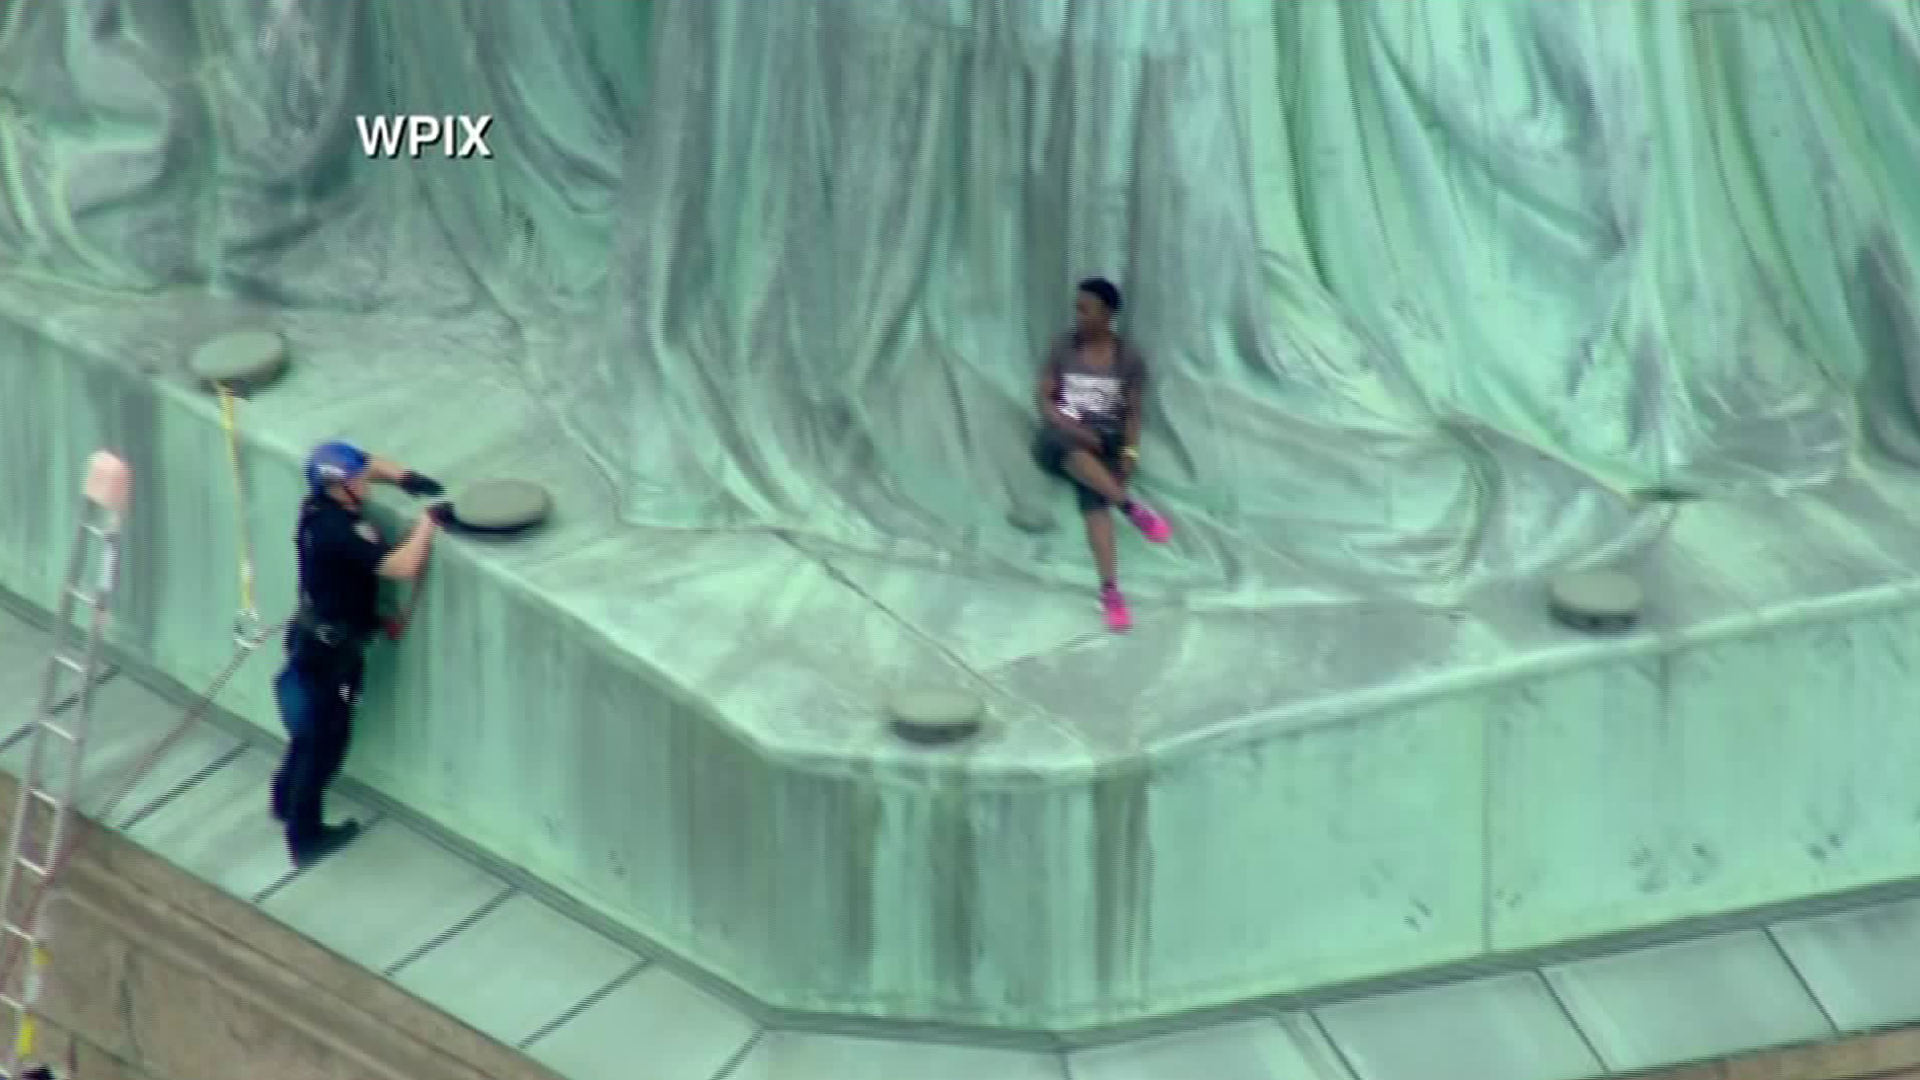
x: 248, y: 631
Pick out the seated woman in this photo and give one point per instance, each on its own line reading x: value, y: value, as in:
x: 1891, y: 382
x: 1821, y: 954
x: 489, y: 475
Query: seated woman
x: 1092, y: 394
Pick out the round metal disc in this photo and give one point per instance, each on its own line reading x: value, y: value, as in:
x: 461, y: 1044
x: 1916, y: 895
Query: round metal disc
x: 935, y: 716
x: 1597, y: 601
x: 241, y: 361
x: 502, y: 505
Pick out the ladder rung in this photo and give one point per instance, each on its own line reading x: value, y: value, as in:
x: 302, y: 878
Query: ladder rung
x: 78, y: 667
x: 58, y: 732
x: 11, y: 1002
x: 20, y: 932
x: 84, y: 596
x: 49, y: 798
x: 33, y: 868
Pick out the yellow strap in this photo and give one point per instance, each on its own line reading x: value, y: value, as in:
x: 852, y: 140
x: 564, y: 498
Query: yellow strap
x: 247, y: 607
x: 23, y: 1042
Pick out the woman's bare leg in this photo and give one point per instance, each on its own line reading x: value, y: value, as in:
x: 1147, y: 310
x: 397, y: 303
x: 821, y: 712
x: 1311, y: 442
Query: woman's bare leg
x: 1100, y: 539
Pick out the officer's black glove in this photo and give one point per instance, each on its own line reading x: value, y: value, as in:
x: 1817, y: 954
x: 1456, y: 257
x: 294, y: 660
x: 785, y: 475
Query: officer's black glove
x: 442, y: 513
x: 421, y: 487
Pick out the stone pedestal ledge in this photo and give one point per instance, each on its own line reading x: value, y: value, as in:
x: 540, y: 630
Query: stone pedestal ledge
x: 1886, y: 1055
x: 158, y: 976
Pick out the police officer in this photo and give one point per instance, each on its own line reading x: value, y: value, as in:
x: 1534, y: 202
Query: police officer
x: 342, y: 562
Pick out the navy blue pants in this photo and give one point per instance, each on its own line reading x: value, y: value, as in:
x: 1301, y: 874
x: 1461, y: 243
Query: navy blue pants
x: 317, y: 691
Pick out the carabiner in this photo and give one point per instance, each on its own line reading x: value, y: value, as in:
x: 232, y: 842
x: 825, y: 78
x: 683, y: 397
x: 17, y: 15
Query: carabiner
x: 248, y: 629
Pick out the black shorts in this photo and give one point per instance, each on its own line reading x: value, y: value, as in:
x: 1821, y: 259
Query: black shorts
x: 1050, y: 449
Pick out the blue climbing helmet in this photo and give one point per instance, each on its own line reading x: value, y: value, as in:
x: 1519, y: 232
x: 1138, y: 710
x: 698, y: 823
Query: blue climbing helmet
x: 335, y: 463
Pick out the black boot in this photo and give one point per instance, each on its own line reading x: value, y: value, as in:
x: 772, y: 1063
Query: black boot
x: 313, y: 847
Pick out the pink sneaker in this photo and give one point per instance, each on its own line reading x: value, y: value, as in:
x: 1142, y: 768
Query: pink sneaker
x: 1153, y: 525
x: 1115, y: 605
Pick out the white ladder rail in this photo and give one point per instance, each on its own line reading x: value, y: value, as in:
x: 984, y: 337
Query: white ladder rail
x: 44, y: 802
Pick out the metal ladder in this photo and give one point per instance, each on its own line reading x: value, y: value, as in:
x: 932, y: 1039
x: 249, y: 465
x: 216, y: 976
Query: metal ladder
x: 35, y: 849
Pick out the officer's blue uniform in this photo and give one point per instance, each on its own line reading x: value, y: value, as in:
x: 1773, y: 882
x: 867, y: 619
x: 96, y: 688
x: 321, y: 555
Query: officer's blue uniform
x: 339, y: 613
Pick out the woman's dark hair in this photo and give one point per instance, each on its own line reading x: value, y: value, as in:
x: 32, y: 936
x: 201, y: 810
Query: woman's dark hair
x: 1107, y: 292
